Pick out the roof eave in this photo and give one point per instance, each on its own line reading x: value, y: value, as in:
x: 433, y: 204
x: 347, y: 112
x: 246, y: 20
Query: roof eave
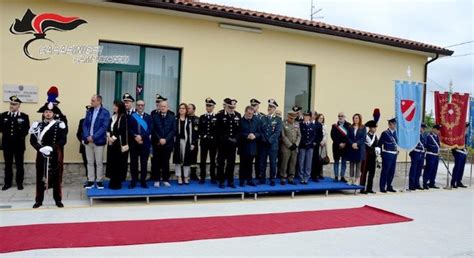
x: 261, y: 20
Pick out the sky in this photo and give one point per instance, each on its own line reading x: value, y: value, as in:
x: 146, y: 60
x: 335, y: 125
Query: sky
x: 437, y: 22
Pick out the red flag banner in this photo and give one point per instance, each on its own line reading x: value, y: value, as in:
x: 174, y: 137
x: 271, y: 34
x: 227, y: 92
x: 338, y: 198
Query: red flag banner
x: 452, y: 117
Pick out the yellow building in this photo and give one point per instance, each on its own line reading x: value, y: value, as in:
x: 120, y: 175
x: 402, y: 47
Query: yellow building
x: 188, y: 51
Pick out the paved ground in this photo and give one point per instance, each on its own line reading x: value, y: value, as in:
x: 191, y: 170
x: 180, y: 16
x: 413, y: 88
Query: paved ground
x: 442, y: 226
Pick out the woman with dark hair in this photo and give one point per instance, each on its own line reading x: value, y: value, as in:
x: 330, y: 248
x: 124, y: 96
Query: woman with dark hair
x: 356, y: 150
x: 323, y: 153
x: 117, y: 146
x: 186, y: 140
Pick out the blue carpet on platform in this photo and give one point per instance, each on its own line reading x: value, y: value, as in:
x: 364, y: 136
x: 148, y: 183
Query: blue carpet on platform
x: 208, y: 188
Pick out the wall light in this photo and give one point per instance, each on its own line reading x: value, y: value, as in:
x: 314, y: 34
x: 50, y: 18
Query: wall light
x: 240, y: 28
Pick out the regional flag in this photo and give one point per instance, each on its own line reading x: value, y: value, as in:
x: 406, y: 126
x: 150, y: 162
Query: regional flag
x: 451, y: 113
x: 408, y: 110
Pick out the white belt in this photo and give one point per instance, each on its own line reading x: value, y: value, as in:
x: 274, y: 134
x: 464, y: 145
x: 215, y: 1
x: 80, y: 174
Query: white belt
x: 432, y: 153
x: 391, y: 152
x: 461, y: 151
x: 418, y: 150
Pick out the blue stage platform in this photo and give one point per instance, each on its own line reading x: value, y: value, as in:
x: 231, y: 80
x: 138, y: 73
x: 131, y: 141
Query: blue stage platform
x: 195, y: 189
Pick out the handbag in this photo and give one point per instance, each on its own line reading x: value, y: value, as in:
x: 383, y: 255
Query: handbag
x: 324, y: 156
x: 124, y: 148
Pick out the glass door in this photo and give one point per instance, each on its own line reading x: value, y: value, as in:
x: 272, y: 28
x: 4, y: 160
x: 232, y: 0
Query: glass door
x: 113, y: 84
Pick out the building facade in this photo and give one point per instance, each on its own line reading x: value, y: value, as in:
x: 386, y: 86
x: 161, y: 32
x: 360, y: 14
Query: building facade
x: 189, y: 51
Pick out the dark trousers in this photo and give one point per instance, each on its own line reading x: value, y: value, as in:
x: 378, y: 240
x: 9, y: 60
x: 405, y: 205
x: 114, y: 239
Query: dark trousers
x: 246, y: 165
x: 316, y: 165
x: 431, y: 169
x: 161, y: 163
x: 458, y: 170
x: 8, y: 155
x: 416, y: 166
x: 54, y: 180
x: 138, y: 153
x: 272, y: 156
x: 208, y: 148
x: 257, y: 161
x: 389, y: 163
x: 368, y: 171
x: 226, y: 159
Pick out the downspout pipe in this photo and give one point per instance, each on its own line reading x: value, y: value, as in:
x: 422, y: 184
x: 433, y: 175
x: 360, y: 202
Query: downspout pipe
x: 426, y: 83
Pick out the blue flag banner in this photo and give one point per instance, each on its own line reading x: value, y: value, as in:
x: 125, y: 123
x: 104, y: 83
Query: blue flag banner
x: 408, y: 111
x: 470, y: 136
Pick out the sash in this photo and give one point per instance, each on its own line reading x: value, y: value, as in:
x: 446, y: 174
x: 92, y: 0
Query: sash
x: 45, y: 130
x: 369, y: 141
x: 140, y: 121
x: 341, y: 129
x: 436, y: 143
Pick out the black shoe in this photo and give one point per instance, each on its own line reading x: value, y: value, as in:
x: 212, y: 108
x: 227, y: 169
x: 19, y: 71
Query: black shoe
x: 242, y: 184
x: 221, y: 185
x: 37, y: 205
x: 321, y: 177
x: 89, y: 185
x: 251, y: 183
x: 434, y: 186
x: 143, y: 185
x: 272, y: 182
x: 231, y: 185
x: 6, y: 187
x: 262, y: 181
x: 291, y: 182
x: 132, y: 185
x: 100, y: 185
x: 213, y: 181
x: 454, y: 186
x: 19, y: 187
x: 343, y: 180
x: 283, y: 182
x: 336, y: 179
x: 461, y: 185
x: 383, y: 191
x: 201, y: 182
x: 426, y: 187
x: 316, y: 180
x: 363, y: 192
x: 59, y: 204
x: 420, y: 188
x: 372, y: 192
x: 391, y: 190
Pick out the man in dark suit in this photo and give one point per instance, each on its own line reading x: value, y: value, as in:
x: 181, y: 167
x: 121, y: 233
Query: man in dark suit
x: 162, y: 140
x: 82, y: 148
x: 14, y: 126
x: 208, y: 142
x: 140, y: 130
x: 339, y: 132
x: 249, y: 135
x: 228, y: 129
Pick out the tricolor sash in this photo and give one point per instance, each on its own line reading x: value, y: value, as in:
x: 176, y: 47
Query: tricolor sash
x: 140, y: 121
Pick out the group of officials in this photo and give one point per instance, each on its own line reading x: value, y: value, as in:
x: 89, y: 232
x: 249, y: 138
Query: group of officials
x: 295, y: 147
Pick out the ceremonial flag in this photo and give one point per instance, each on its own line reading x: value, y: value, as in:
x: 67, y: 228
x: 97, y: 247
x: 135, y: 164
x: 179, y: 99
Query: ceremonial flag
x: 451, y: 115
x: 471, y: 121
x: 408, y: 110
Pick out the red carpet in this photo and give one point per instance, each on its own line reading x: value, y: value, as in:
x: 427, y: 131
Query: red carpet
x: 110, y: 233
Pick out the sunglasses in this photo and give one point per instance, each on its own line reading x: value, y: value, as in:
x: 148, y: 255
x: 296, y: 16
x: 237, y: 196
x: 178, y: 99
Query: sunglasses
x: 140, y: 105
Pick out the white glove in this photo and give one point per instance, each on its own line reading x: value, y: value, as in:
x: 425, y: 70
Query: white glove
x: 378, y: 151
x: 46, y: 150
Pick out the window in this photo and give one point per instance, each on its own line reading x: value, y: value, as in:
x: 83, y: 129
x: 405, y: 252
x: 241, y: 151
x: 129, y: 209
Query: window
x: 298, y: 86
x: 149, y: 71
